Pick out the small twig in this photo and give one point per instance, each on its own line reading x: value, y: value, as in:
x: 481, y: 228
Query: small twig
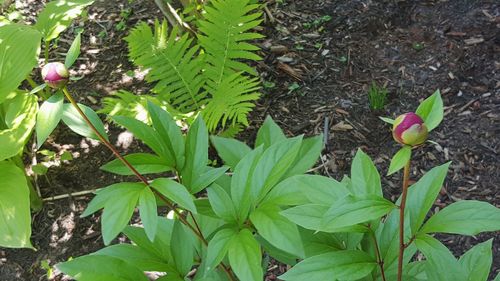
x: 269, y: 14
x: 73, y: 194
x: 326, y: 131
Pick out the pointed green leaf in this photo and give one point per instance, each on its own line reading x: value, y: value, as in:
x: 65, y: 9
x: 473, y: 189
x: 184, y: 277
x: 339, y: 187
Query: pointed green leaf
x: 137, y: 256
x: 77, y: 124
x: 387, y: 120
x: 308, y: 155
x: 364, y: 175
x: 149, y: 212
x: 174, y: 191
x: 182, y: 249
x: 144, y: 163
x: 431, y: 110
x: 230, y: 150
x: 48, y: 117
x: 74, y: 51
x: 207, y: 178
x: 245, y: 256
x: 477, y: 261
x: 196, y: 152
x: 400, y: 159
x: 221, y: 203
x: 218, y: 248
x: 269, y: 133
x: 160, y: 247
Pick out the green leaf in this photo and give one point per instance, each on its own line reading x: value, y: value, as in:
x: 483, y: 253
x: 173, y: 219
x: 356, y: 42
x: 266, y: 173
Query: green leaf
x: 273, y: 165
x: 144, y: 163
x: 477, y: 261
x: 160, y: 247
x: 207, y: 178
x: 182, y: 249
x: 364, y: 175
x: 423, y: 194
x: 352, y: 210
x: 230, y: 150
x: 48, y: 117
x: 278, y: 230
x: 39, y: 169
x: 439, y: 259
x: 339, y: 265
x: 302, y: 189
x: 147, y: 135
x: 15, y: 219
x: 387, y: 120
x: 245, y: 256
x: 308, y: 216
x: 196, y: 152
x: 174, y: 191
x: 221, y: 203
x: 431, y: 110
x: 57, y: 16
x: 101, y: 268
x: 240, y: 183
x: 467, y: 217
x: 149, y: 212
x: 308, y: 155
x: 269, y: 134
x: 400, y: 159
x: 77, y: 124
x: 169, y: 132
x: 117, y: 213
x: 137, y: 256
x: 18, y: 59
x: 20, y: 118
x: 74, y: 51
x: 276, y: 253
x: 218, y: 248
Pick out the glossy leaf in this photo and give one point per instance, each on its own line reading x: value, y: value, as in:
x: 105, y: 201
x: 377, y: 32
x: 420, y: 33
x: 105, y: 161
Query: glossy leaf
x: 245, y: 256
x: 308, y: 155
x: 364, y: 175
x: 182, y: 249
x: 48, y: 117
x: 207, y: 178
x: 431, y: 110
x: 477, y: 261
x: 144, y: 163
x: 196, y: 152
x: 15, y: 217
x: 269, y: 134
x: 230, y: 150
x: 467, y: 217
x: 218, y: 247
x: 148, y: 212
x: 174, y: 191
x: 18, y: 59
x: 339, y: 265
x: 308, y: 216
x: 400, y: 159
x: 74, y: 51
x: 77, y: 124
x: 221, y: 203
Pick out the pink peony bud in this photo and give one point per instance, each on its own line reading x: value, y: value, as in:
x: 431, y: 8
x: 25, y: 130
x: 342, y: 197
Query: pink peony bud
x: 409, y: 129
x: 55, y: 74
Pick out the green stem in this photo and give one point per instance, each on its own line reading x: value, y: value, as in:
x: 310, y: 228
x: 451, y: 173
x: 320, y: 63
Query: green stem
x: 31, y: 82
x: 196, y: 230
x: 47, y: 47
x: 402, y: 246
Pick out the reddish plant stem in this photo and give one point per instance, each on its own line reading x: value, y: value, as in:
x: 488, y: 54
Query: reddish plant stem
x: 402, y: 246
x: 379, y: 258
x: 196, y: 231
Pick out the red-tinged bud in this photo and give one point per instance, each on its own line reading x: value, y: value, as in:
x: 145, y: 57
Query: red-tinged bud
x: 409, y: 129
x: 55, y: 74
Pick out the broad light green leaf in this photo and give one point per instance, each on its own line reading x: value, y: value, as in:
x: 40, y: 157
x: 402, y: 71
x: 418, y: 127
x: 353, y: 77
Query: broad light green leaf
x: 101, y: 268
x: 352, y: 210
x: 245, y: 256
x: 74, y: 51
x: 77, y: 124
x: 148, y: 212
x: 218, y: 248
x: 174, y: 191
x: 20, y: 118
x: 364, y: 175
x: 423, y: 194
x: 160, y: 247
x: 207, y: 178
x: 431, y: 110
x: 48, y: 117
x: 17, y: 59
x: 15, y: 219
x: 269, y: 134
x: 230, y: 150
x: 109, y: 193
x: 302, y: 189
x: 339, y: 265
x: 57, y: 16
x: 276, y: 253
x: 144, y: 163
x: 221, y: 203
x: 240, y: 183
x: 273, y: 165
x: 467, y: 217
x: 308, y: 155
x: 400, y: 159
x: 117, y: 213
x: 477, y: 261
x: 439, y: 260
x: 277, y: 230
x: 308, y: 216
x: 147, y: 135
x: 169, y: 132
x: 196, y: 152
x: 137, y: 256
x: 182, y: 249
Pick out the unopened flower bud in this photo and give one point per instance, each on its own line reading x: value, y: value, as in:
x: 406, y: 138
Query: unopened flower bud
x: 409, y: 129
x: 55, y: 74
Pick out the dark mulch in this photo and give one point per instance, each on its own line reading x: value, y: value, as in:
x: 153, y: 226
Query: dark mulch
x: 318, y: 67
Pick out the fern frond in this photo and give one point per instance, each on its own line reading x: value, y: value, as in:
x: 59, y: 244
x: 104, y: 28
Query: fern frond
x: 231, y: 101
x: 225, y: 35
x: 174, y: 65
